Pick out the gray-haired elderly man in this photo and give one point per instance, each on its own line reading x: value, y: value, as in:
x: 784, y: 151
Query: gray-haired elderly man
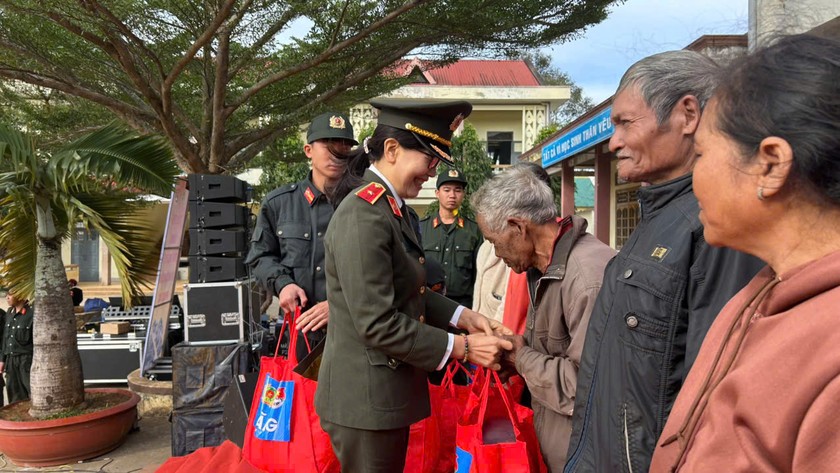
x: 666, y: 286
x: 564, y: 265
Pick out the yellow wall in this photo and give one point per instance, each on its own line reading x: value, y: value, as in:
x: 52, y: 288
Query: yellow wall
x: 503, y: 120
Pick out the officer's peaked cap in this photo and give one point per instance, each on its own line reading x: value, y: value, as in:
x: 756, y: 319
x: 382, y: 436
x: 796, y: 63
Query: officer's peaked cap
x: 431, y: 123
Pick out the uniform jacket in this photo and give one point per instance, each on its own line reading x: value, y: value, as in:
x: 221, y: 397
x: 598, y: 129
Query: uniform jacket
x: 490, y: 282
x: 456, y: 248
x: 776, y: 408
x: 288, y: 242
x: 17, y: 333
x: 558, y: 313
x: 659, y: 296
x: 383, y: 336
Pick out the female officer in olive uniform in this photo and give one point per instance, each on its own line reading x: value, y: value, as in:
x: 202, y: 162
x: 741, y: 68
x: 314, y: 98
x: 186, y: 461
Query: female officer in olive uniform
x: 386, y: 329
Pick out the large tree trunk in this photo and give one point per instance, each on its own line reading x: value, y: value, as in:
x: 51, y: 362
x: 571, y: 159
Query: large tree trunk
x: 56, y: 377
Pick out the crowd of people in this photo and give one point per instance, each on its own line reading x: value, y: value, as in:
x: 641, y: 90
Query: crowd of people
x: 704, y: 344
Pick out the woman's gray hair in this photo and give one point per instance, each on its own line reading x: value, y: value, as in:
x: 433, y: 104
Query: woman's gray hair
x: 664, y: 78
x: 517, y: 192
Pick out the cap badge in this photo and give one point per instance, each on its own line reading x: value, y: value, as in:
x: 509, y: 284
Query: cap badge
x: 453, y: 173
x: 456, y: 122
x: 337, y: 122
x: 441, y: 152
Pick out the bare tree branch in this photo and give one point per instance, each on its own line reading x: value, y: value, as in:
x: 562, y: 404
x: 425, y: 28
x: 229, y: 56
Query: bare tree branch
x: 406, y: 7
x: 199, y: 43
x: 252, y: 51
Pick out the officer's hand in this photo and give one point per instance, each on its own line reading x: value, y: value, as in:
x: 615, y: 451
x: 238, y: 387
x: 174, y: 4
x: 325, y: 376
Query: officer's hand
x: 474, y: 322
x: 314, y: 318
x: 487, y: 350
x: 291, y: 297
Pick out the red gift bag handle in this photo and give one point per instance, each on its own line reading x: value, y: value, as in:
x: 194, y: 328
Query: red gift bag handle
x: 293, y: 336
x: 485, y: 395
x: 448, y: 381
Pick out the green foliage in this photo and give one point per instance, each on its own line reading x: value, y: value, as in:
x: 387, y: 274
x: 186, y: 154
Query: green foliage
x: 473, y: 161
x: 282, y: 163
x: 223, y: 80
x: 92, y: 181
x: 578, y: 103
x: 547, y: 131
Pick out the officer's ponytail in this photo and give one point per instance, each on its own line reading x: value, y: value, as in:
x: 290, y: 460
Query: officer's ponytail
x: 361, y: 158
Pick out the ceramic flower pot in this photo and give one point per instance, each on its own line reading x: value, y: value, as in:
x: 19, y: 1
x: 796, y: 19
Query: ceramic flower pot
x: 71, y: 439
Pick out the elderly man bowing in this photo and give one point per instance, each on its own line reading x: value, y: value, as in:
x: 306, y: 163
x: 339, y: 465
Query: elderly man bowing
x: 564, y: 265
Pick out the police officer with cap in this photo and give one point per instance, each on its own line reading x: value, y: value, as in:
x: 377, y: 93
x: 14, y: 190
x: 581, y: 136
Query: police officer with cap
x: 453, y: 239
x: 387, y: 329
x: 287, y: 247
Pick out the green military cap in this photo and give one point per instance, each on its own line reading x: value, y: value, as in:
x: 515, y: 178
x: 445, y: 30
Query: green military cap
x: 431, y: 123
x: 330, y: 126
x: 451, y: 175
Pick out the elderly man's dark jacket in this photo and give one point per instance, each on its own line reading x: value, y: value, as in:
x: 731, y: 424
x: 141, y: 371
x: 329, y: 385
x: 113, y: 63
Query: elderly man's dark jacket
x: 659, y: 296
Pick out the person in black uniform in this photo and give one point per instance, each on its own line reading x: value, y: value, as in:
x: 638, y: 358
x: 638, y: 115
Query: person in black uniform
x: 287, y: 247
x: 453, y: 239
x: 17, y: 347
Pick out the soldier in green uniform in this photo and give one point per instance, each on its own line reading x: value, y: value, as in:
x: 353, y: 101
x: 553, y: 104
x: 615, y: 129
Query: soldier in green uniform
x: 387, y: 329
x: 287, y: 247
x: 452, y: 239
x: 17, y: 347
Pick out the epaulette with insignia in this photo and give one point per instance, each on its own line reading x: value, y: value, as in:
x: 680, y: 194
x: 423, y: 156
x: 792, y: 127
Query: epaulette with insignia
x: 371, y: 192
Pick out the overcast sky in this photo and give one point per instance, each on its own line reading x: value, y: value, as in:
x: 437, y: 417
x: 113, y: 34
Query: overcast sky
x: 637, y: 29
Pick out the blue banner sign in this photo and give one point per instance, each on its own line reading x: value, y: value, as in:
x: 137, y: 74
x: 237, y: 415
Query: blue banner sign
x: 579, y: 138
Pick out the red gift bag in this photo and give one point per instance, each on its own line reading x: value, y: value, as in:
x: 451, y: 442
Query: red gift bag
x: 432, y: 440
x: 284, y: 433
x: 496, y: 435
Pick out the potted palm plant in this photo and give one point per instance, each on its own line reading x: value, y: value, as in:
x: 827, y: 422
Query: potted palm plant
x: 91, y: 183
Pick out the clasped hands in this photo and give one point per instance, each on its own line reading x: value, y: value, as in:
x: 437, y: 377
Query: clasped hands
x: 488, y: 340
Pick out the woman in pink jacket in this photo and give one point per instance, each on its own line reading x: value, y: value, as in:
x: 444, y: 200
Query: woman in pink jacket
x: 764, y: 392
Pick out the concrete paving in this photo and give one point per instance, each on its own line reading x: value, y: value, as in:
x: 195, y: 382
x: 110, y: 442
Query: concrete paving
x: 144, y: 450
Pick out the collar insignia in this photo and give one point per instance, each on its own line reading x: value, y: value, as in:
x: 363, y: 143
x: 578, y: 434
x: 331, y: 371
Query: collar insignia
x: 460, y: 222
x: 435, y: 222
x: 394, y: 207
x: 371, y: 192
x: 310, y: 196
x: 337, y: 122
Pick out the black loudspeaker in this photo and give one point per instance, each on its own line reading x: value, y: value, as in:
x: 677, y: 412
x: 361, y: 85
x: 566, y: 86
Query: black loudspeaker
x: 201, y: 375
x: 193, y: 429
x: 238, y: 405
x: 211, y: 187
x: 217, y: 242
x: 217, y: 215
x: 216, y: 268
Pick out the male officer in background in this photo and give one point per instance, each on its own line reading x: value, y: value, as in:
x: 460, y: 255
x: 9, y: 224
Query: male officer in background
x: 287, y: 247
x: 16, y: 360
x: 453, y: 239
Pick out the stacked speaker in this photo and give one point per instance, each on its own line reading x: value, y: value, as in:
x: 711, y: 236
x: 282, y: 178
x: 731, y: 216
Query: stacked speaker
x: 220, y: 305
x: 219, y: 221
